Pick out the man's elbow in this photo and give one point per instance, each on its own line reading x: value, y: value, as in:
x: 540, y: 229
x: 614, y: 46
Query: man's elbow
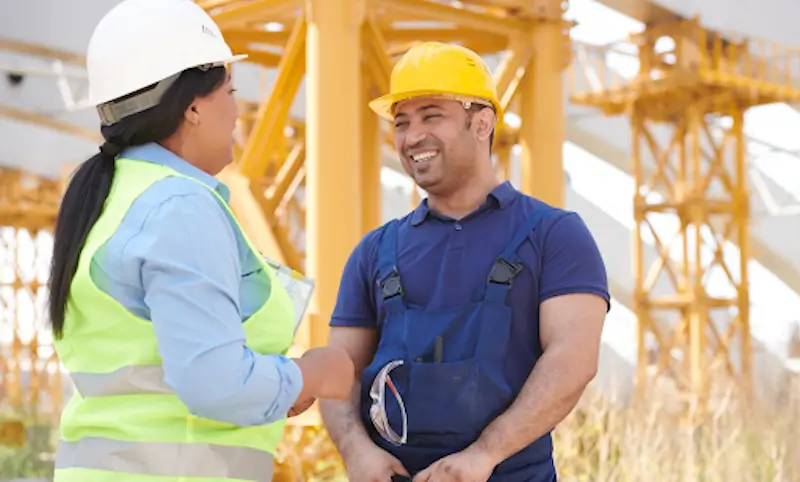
x: 588, y: 373
x: 580, y: 368
x: 585, y: 369
x: 578, y: 364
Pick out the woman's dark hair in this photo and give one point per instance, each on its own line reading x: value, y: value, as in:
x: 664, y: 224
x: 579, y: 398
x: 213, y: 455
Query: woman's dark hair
x: 86, y: 194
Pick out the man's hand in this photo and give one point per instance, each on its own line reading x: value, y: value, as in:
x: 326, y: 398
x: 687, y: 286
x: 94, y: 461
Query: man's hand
x: 373, y: 464
x: 301, y: 406
x: 470, y: 465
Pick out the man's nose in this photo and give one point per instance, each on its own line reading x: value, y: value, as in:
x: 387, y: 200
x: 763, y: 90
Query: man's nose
x: 415, y: 135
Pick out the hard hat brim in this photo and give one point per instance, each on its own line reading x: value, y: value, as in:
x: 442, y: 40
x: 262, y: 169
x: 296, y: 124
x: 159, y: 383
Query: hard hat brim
x: 383, y: 105
x: 223, y: 62
x: 95, y: 101
x: 235, y: 58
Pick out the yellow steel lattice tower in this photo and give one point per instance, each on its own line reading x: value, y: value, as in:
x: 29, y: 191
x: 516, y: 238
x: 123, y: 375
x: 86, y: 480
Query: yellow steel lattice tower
x: 691, y: 200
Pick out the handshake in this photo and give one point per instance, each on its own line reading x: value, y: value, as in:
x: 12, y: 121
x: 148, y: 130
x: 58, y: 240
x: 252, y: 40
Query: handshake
x: 328, y: 373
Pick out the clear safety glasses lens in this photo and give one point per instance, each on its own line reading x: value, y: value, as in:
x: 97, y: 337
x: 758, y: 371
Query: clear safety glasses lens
x: 377, y: 410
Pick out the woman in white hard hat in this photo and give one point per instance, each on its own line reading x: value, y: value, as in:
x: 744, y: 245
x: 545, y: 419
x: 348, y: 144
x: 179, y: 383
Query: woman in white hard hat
x: 172, y: 326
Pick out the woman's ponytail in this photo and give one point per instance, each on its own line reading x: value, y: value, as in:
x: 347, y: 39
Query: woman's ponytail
x: 81, y: 206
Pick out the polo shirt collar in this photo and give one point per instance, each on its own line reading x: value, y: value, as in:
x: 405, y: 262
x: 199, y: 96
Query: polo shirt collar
x: 503, y: 195
x: 157, y: 154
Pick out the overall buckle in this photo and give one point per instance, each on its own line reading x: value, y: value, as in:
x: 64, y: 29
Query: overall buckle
x: 391, y: 285
x: 504, y: 272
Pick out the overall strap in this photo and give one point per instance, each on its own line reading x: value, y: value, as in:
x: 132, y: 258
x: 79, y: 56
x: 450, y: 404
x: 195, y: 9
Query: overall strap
x: 391, y: 288
x: 508, y: 264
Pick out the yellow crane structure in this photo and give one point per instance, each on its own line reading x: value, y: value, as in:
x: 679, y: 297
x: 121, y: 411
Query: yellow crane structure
x: 307, y: 190
x: 698, y: 83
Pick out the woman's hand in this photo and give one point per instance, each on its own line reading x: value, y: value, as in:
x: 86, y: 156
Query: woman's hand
x: 328, y: 372
x: 301, y: 406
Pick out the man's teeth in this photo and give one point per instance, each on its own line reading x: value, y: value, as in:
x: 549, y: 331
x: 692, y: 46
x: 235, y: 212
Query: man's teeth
x: 423, y: 157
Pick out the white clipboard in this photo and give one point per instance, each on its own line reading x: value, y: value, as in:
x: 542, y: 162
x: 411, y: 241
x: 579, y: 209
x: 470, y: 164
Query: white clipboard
x: 299, y: 287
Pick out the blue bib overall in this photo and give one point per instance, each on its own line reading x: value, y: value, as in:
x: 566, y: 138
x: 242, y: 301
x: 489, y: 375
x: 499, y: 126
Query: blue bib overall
x: 452, y: 379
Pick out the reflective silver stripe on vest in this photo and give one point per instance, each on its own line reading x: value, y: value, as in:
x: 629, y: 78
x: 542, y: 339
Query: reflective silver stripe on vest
x: 166, y: 459
x: 129, y: 380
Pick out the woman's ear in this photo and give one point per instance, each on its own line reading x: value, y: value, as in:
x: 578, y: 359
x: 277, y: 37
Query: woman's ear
x: 192, y: 115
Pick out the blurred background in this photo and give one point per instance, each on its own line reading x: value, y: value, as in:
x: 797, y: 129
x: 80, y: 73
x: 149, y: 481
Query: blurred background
x: 668, y: 125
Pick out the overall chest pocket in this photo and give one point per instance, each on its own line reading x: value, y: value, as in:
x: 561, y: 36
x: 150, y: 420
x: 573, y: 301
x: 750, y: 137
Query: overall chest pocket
x: 443, y: 397
x: 457, y: 384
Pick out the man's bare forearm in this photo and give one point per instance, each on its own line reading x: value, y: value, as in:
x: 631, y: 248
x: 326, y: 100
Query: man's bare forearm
x: 342, y: 418
x: 550, y: 393
x: 343, y: 422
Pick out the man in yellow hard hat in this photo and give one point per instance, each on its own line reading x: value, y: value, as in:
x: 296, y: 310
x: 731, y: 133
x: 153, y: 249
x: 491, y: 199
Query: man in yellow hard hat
x: 474, y: 322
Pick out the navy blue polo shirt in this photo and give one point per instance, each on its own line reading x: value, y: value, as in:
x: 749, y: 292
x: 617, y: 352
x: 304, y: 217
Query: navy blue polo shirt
x: 444, y: 263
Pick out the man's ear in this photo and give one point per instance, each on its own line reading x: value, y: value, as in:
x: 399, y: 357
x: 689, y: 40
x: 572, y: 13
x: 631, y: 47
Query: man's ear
x: 484, y: 121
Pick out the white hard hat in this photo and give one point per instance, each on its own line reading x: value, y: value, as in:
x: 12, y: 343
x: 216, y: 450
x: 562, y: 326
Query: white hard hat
x: 139, y: 43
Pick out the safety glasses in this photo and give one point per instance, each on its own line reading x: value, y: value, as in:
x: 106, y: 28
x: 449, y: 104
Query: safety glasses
x: 377, y: 410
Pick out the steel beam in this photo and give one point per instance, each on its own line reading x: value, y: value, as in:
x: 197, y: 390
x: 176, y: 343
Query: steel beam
x: 512, y: 69
x: 542, y: 108
x: 333, y: 126
x: 35, y: 50
x: 480, y: 22
x: 250, y: 215
x: 256, y: 36
x: 257, y: 56
x: 241, y: 14
x: 50, y: 122
x: 371, y: 159
x: 273, y: 114
x: 491, y: 42
x: 376, y: 58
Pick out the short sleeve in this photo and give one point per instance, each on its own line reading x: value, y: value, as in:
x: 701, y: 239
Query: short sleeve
x: 355, y: 301
x: 572, y: 262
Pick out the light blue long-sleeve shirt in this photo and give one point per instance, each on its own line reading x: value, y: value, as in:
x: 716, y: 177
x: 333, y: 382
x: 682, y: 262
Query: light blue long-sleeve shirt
x: 177, y: 260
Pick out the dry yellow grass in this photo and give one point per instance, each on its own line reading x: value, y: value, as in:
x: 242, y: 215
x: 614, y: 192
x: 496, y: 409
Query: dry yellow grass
x: 732, y: 442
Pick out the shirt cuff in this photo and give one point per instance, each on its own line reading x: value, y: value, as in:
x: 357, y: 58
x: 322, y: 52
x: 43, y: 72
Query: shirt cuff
x: 291, y: 384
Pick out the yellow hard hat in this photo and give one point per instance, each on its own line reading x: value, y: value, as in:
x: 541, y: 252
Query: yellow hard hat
x: 439, y: 69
